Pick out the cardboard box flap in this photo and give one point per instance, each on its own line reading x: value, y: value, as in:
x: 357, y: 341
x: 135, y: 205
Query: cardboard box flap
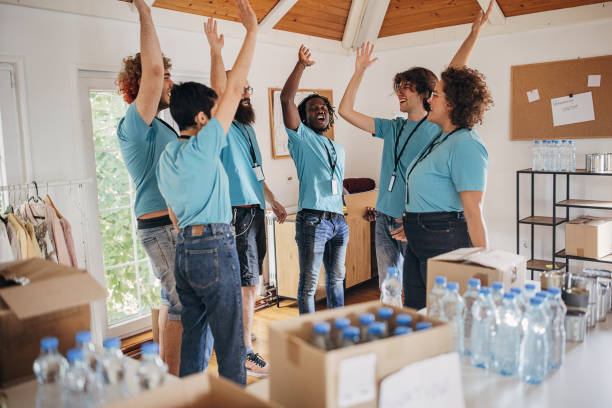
x: 34, y: 270
x: 51, y: 295
x: 458, y: 255
x: 489, y: 258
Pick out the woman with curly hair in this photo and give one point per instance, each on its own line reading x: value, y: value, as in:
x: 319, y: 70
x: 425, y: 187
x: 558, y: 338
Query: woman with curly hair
x: 445, y: 183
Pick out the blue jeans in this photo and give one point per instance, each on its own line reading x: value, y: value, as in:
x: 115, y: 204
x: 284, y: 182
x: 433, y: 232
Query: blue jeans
x: 429, y: 235
x: 321, y: 240
x: 208, y: 283
x: 389, y: 251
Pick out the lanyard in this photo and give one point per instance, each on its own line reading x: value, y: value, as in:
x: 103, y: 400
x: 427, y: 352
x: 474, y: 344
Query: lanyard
x: 246, y: 135
x: 332, y: 165
x: 398, y: 156
x: 424, y: 155
x: 167, y: 125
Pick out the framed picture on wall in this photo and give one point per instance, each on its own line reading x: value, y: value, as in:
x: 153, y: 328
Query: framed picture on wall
x: 280, y: 140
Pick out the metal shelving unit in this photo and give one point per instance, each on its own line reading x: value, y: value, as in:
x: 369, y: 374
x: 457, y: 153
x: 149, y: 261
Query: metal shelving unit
x: 557, y: 217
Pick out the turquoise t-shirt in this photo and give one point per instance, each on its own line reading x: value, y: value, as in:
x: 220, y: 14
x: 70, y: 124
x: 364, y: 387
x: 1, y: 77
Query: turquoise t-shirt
x: 192, y: 178
x: 141, y: 145
x: 392, y: 202
x: 238, y: 163
x: 309, y: 152
x: 460, y: 163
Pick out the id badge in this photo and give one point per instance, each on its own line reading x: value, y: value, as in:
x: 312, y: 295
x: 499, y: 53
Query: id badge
x: 259, y: 173
x: 334, y: 186
x: 391, y: 183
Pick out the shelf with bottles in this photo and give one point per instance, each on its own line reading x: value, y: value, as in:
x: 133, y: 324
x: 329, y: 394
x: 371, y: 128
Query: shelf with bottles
x: 577, y: 172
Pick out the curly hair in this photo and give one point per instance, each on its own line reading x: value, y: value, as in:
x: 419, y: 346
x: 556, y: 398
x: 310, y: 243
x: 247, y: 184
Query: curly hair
x: 130, y: 74
x: 467, y: 93
x: 330, y: 108
x: 420, y: 80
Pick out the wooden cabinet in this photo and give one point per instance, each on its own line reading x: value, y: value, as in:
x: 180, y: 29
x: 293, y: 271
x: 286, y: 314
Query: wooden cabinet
x: 358, y: 251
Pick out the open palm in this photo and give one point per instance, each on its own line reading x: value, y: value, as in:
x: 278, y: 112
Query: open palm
x: 482, y: 18
x: 363, y: 58
x: 210, y: 29
x: 304, y: 56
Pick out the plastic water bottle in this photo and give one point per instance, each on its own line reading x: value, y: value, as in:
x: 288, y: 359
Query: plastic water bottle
x: 482, y: 333
x: 80, y: 383
x: 508, y: 337
x: 572, y: 155
x: 435, y: 297
x: 340, y: 324
x: 391, y: 291
x: 556, y: 155
x: 385, y: 315
x: 563, y: 156
x: 469, y: 297
x: 401, y: 330
x: 83, y: 340
x: 535, y: 155
x: 50, y: 368
x: 112, y: 371
x: 376, y: 331
x: 423, y: 326
x: 350, y: 336
x: 152, y: 370
x: 518, y: 299
x: 545, y: 155
x: 530, y: 291
x: 548, y: 312
x: 365, y: 319
x: 452, y: 312
x: 321, y: 336
x: 497, y: 293
x: 403, y: 320
x: 557, y: 328
x: 535, y: 347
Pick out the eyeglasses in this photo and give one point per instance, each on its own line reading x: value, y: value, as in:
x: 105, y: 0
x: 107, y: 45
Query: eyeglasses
x: 434, y: 94
x: 248, y: 89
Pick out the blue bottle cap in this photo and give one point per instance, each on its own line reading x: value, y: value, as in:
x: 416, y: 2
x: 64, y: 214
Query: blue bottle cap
x: 49, y: 343
x: 112, y: 343
x: 530, y: 286
x: 485, y: 290
x: 554, y: 291
x: 537, y: 142
x: 341, y: 323
x: 366, y: 318
x: 516, y: 291
x: 497, y: 286
x: 75, y: 354
x: 376, y: 328
x: 423, y: 325
x: 403, y: 319
x: 402, y: 330
x: 542, y: 294
x: 452, y: 286
x: 509, y: 295
x: 150, y: 348
x: 350, y: 332
x: 385, y: 312
x: 474, y: 283
x: 535, y: 301
x: 440, y: 280
x: 83, y: 337
x: 392, y: 271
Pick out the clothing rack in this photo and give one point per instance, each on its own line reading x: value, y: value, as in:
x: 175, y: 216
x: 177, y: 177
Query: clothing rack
x: 36, y: 185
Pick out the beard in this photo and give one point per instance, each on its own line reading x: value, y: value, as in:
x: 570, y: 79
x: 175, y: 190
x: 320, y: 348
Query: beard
x: 245, y: 113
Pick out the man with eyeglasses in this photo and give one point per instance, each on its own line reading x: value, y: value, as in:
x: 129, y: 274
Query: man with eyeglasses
x: 248, y: 195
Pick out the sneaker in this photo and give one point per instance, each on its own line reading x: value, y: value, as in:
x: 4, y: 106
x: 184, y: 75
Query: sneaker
x: 253, y: 337
x: 256, y: 365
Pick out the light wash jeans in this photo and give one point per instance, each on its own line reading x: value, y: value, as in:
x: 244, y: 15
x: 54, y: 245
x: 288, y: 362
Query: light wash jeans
x: 389, y: 251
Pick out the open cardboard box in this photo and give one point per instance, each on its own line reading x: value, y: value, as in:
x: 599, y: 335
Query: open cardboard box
x: 589, y: 237
x: 302, y: 375
x: 488, y: 265
x: 51, y: 300
x: 197, y: 390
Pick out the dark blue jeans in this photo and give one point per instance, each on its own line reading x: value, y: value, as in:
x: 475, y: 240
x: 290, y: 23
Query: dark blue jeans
x: 321, y: 240
x: 208, y: 284
x: 429, y: 235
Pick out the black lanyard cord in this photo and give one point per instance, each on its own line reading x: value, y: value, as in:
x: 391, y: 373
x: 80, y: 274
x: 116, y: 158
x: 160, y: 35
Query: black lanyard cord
x: 167, y: 125
x: 332, y: 165
x: 397, y: 157
x: 246, y: 135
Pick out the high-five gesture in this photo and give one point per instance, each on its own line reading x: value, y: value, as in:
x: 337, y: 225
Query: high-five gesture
x: 481, y: 19
x: 214, y: 40
x: 247, y: 15
x: 363, y: 59
x: 304, y: 56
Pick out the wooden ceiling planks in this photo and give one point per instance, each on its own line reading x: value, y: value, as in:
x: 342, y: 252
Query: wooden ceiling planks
x: 222, y: 9
x: 408, y: 16
x: 518, y: 7
x: 317, y: 18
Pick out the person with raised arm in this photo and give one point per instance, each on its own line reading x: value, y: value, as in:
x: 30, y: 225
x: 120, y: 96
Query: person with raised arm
x: 322, y: 233
x: 404, y: 139
x: 248, y: 195
x: 194, y: 183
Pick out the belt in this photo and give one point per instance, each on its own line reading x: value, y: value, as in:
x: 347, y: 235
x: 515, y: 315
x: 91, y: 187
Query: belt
x: 246, y: 206
x: 153, y: 222
x: 328, y: 215
x: 443, y: 214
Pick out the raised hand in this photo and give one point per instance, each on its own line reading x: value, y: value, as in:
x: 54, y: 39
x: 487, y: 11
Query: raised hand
x: 214, y: 40
x: 141, y: 6
x: 482, y: 18
x: 247, y: 15
x: 362, y: 59
x: 304, y: 56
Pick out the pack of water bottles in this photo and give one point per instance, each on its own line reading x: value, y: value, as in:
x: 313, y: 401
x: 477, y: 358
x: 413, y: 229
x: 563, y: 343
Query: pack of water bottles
x: 553, y: 155
x: 92, y: 378
x: 517, y: 332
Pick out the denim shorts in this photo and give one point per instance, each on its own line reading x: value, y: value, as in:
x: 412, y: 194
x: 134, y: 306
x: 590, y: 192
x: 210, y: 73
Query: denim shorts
x: 250, y: 227
x: 160, y: 245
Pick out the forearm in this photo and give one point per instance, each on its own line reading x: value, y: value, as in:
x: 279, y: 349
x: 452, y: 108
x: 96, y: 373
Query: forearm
x: 293, y: 82
x: 150, y: 50
x: 477, y: 228
x: 218, y: 77
x: 347, y: 105
x: 463, y: 53
x: 238, y: 75
x: 268, y: 194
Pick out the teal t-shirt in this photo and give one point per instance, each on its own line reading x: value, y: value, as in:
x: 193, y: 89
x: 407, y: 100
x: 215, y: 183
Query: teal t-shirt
x: 238, y: 162
x: 141, y: 146
x: 460, y: 163
x: 392, y: 202
x: 192, y: 178
x: 309, y: 152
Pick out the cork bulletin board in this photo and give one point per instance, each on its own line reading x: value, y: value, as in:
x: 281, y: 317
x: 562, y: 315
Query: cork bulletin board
x: 571, y: 78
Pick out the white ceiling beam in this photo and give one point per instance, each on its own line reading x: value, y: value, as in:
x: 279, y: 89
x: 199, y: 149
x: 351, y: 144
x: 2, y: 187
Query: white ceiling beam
x: 353, y: 22
x: 497, y: 15
x: 368, y: 15
x: 276, y: 14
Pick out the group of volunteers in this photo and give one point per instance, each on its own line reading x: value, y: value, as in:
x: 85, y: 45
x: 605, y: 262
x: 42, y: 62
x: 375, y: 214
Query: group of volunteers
x: 201, y: 194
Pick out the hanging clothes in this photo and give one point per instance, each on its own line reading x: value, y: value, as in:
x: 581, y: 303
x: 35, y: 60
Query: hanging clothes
x: 38, y: 216
x: 69, y: 241
x: 6, y: 252
x: 22, y: 236
x: 33, y: 249
x: 13, y: 240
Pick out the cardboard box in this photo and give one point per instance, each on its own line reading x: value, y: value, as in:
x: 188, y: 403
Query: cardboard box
x: 50, y: 300
x: 589, y: 237
x: 488, y: 265
x: 304, y: 376
x: 198, y: 390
